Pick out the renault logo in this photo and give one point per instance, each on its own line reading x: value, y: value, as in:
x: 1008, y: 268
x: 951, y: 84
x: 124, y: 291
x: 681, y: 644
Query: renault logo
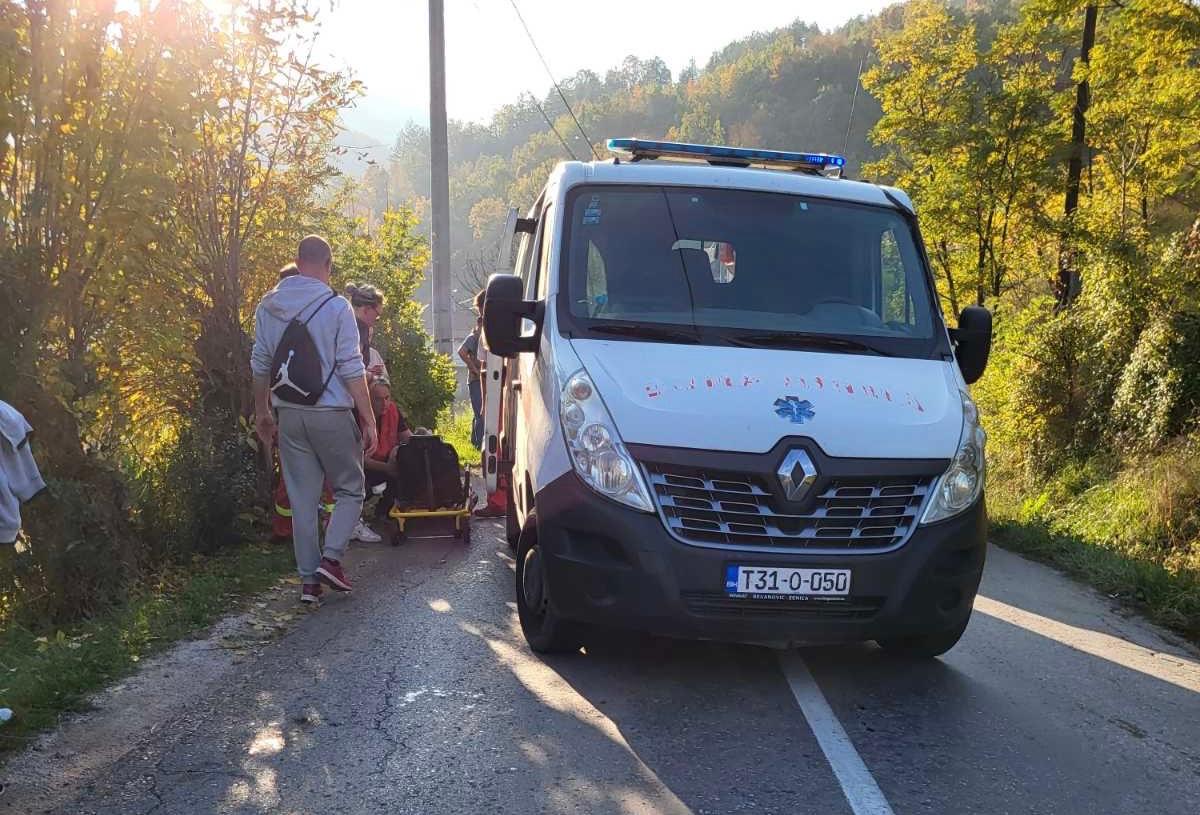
x: 797, y: 474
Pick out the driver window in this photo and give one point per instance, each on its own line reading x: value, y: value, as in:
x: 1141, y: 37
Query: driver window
x: 896, y: 306
x: 525, y: 252
x: 543, y: 272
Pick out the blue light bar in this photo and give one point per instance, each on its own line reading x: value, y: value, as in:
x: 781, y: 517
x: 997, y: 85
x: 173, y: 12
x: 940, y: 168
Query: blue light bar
x: 638, y: 149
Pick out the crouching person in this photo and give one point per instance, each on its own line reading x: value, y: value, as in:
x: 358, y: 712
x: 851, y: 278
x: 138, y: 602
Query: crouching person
x: 308, y: 370
x: 380, y: 466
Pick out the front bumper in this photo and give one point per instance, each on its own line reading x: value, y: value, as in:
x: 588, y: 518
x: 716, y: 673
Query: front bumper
x: 613, y: 566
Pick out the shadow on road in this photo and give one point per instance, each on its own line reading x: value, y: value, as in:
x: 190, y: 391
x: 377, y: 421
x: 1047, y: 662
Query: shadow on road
x: 418, y: 694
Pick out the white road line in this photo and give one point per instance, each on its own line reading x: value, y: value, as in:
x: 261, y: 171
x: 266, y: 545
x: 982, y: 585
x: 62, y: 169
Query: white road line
x: 862, y: 793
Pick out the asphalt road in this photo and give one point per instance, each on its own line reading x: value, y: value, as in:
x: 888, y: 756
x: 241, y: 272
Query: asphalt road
x: 416, y: 694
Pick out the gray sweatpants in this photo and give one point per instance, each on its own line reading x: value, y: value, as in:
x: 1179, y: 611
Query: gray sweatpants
x: 316, y: 446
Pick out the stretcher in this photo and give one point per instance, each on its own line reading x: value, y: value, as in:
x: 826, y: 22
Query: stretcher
x: 429, y: 513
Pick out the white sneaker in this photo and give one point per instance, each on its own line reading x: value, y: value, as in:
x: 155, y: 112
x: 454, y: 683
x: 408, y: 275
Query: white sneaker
x: 364, y: 533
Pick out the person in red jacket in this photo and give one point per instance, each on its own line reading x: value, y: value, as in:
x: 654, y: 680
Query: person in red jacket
x: 281, y: 519
x: 393, y: 432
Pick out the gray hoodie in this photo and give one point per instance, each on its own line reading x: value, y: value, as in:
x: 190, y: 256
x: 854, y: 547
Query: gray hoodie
x: 19, y: 476
x: 334, y: 332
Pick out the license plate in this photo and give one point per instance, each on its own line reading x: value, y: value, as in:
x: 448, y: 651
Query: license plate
x: 780, y: 582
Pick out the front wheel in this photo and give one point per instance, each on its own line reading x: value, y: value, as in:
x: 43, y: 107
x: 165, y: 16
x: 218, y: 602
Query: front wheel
x: 925, y: 645
x: 544, y: 630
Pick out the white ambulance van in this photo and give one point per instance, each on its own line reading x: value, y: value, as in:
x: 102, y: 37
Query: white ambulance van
x: 731, y: 407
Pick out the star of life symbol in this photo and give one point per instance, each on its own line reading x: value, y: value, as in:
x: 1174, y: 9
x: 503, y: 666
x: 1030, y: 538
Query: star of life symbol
x: 794, y: 409
x: 282, y: 378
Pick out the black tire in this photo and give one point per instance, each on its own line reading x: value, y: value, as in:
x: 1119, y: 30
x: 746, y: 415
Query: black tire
x: 512, y: 527
x: 924, y: 646
x: 544, y: 630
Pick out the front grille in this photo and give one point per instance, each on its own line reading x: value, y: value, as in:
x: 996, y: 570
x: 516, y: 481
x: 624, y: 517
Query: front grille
x: 708, y: 604
x: 740, y: 510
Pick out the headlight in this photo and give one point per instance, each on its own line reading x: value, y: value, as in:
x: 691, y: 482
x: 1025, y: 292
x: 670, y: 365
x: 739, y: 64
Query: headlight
x: 961, y: 484
x: 600, y: 458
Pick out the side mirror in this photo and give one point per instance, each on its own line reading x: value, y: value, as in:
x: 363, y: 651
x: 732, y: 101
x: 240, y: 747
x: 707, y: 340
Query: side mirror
x: 504, y: 309
x: 973, y: 341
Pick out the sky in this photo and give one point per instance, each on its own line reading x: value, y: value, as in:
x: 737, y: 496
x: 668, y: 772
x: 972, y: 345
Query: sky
x: 489, y: 60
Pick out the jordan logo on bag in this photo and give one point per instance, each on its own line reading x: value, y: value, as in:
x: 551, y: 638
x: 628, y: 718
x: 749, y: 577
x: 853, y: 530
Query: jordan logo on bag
x: 282, y: 379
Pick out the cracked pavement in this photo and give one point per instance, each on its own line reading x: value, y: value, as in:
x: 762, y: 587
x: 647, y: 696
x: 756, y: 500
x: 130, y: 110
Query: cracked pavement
x: 417, y: 694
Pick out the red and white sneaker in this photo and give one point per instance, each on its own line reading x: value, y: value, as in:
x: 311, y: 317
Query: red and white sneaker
x: 310, y: 593
x: 331, y: 574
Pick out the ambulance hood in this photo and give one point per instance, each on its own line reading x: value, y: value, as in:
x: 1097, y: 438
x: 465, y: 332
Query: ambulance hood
x: 746, y: 399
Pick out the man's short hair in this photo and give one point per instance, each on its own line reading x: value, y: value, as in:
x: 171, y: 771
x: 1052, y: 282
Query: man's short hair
x: 313, y: 249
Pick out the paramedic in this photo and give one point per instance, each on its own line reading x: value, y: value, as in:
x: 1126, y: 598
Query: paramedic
x: 468, y: 352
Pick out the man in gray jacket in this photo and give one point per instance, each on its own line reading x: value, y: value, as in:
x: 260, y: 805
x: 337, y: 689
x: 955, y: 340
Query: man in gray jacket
x: 323, y: 442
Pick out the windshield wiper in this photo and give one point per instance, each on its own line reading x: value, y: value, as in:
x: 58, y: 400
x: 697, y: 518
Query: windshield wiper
x: 803, y: 339
x: 645, y: 331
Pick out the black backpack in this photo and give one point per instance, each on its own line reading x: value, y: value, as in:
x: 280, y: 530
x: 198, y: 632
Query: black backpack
x: 296, y: 366
x: 431, y: 476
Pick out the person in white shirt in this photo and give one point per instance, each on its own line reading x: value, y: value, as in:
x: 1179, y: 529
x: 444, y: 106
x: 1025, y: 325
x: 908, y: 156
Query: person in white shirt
x: 20, y: 479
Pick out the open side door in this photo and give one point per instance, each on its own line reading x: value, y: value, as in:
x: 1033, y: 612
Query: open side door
x: 493, y: 397
x: 495, y: 368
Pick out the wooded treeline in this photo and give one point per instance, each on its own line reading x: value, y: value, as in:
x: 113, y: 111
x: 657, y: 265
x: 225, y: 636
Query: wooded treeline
x: 1051, y: 147
x: 157, y: 167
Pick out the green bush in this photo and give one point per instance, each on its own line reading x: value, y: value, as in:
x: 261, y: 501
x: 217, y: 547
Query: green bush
x: 454, y: 426
x: 393, y: 259
x: 423, y: 381
x: 78, y: 555
x: 202, y: 495
x: 1159, y: 386
x: 1055, y: 387
x: 1132, y: 530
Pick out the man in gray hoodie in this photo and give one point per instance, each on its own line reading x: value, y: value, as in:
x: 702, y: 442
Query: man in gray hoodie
x: 324, y: 442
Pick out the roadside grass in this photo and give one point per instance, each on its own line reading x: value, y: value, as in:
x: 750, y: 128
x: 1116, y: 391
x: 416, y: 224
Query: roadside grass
x: 46, y: 674
x: 454, y: 426
x: 1133, y: 533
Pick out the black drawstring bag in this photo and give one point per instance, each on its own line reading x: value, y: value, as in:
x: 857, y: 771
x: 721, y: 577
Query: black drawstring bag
x: 296, y: 366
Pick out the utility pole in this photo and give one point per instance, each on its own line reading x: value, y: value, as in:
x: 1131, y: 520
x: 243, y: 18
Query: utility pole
x: 1067, y: 284
x: 439, y: 187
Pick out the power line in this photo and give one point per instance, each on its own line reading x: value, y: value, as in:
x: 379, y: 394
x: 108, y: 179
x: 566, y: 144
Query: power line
x: 554, y: 82
x: 554, y: 129
x: 853, y: 99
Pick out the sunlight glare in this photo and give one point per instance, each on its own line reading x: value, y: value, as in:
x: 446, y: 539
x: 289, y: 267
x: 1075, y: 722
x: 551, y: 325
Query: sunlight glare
x: 1173, y: 668
x: 554, y: 692
x: 267, y: 741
